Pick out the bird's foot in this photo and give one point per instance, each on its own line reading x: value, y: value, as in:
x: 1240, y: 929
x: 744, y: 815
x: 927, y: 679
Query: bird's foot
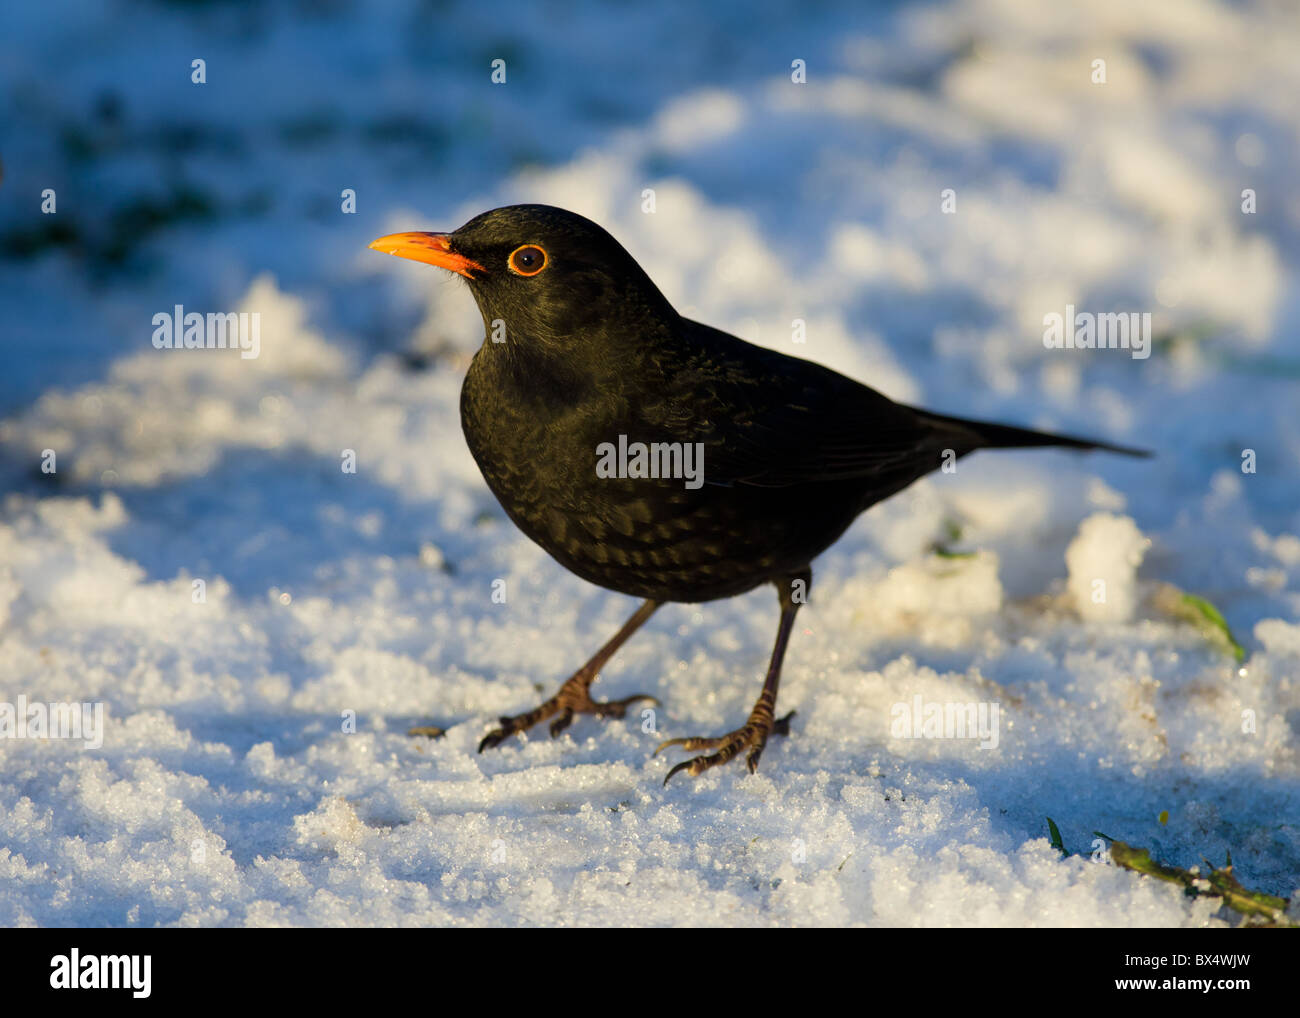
x: 752, y: 737
x: 573, y: 698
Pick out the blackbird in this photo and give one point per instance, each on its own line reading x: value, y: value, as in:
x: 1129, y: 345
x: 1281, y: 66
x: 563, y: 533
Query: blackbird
x: 660, y: 457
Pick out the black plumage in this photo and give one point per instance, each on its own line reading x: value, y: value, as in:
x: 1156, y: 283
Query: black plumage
x: 586, y: 350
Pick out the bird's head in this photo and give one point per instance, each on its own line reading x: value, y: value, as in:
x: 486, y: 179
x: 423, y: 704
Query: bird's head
x: 555, y: 281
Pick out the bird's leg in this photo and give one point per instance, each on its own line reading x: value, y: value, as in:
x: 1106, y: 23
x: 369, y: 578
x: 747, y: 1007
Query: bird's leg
x: 574, y: 697
x: 762, y: 721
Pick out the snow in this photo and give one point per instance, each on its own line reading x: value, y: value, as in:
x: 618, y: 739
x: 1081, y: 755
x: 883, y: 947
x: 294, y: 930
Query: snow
x: 263, y: 626
x: 1103, y: 562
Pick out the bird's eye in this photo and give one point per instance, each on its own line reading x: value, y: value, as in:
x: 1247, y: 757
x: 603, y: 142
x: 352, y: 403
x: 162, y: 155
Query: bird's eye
x: 527, y: 260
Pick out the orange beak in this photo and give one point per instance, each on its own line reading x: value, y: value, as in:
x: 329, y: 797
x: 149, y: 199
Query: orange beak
x: 433, y: 248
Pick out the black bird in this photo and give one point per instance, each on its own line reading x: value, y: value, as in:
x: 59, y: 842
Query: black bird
x: 585, y: 363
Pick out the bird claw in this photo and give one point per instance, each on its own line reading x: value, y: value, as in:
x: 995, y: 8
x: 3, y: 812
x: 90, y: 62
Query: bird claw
x: 572, y: 699
x: 752, y: 737
x: 562, y: 722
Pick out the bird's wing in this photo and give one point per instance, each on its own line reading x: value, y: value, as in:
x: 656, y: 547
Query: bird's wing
x: 769, y: 420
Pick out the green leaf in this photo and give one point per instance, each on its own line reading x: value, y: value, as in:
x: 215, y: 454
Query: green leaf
x: 1055, y: 832
x: 1209, y: 617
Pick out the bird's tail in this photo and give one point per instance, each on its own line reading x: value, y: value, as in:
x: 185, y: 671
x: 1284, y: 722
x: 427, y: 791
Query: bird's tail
x: 1007, y: 436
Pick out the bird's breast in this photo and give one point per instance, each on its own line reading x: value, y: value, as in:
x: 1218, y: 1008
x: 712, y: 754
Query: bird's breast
x: 567, y: 477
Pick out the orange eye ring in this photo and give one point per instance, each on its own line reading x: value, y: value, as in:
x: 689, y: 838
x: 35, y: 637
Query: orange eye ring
x: 527, y: 260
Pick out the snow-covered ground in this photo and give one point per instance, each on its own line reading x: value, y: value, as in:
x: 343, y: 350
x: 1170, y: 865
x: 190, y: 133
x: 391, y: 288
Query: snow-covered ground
x: 227, y: 790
